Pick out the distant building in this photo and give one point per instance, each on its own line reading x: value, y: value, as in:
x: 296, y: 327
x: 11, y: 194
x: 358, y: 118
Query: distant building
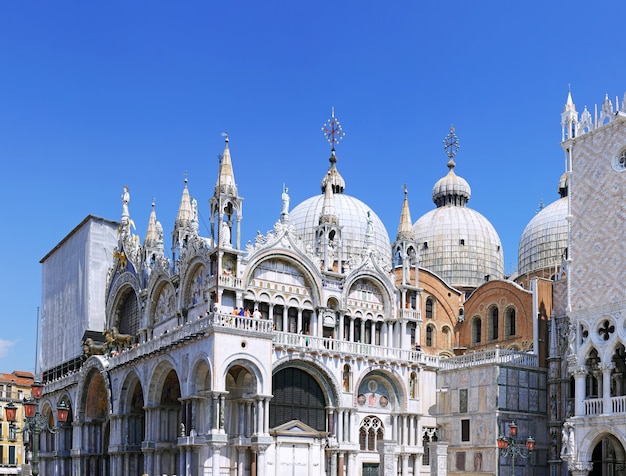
x: 14, y: 445
x: 324, y: 347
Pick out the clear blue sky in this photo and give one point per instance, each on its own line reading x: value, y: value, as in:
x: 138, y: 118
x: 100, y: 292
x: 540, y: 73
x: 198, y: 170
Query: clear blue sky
x: 97, y: 95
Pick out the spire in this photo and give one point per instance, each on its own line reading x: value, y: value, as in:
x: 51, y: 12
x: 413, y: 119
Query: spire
x: 185, y: 213
x: 151, y: 234
x: 328, y: 208
x: 569, y: 104
x: 153, y: 243
x: 569, y: 118
x: 606, y: 113
x: 226, y: 180
x: 405, y: 228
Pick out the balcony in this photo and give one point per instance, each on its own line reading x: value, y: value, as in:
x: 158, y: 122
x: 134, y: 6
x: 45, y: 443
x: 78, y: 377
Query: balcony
x: 226, y: 281
x: 493, y: 356
x: 595, y: 406
x: 352, y: 350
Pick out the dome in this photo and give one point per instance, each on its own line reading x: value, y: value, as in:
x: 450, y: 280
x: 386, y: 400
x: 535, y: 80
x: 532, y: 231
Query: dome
x: 451, y: 186
x: 459, y: 245
x: 353, y: 217
x: 544, y: 239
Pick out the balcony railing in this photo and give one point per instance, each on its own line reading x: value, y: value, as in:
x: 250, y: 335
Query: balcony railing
x: 193, y: 330
x: 494, y: 356
x: 593, y: 406
x: 326, y: 345
x: 203, y: 325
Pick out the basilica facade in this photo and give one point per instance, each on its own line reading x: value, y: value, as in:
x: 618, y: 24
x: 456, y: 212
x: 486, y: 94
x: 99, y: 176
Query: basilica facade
x: 327, y: 347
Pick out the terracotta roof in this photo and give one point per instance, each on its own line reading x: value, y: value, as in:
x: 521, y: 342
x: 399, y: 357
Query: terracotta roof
x: 20, y: 377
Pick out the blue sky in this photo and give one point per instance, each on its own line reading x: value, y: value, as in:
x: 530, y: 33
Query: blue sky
x: 98, y: 95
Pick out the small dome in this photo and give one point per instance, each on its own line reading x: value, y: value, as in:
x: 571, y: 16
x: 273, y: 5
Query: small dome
x: 451, y: 188
x: 352, y: 217
x: 544, y: 239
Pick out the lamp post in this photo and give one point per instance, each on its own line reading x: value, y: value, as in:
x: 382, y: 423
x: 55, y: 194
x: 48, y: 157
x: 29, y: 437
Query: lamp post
x: 35, y: 421
x: 513, y: 448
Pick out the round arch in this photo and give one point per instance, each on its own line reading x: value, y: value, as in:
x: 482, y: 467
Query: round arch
x: 600, y: 444
x: 381, y: 389
x: 300, y: 263
x: 118, y: 291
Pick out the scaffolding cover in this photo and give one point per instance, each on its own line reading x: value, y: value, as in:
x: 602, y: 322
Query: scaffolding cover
x: 74, y: 276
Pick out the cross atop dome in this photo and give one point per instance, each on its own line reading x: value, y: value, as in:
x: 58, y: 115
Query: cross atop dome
x: 451, y: 146
x: 332, y: 130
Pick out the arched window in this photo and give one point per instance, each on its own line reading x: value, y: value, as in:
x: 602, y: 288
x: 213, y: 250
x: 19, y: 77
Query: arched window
x: 510, y: 322
x: 413, y: 385
x: 476, y: 330
x: 429, y: 336
x: 494, y: 323
x: 128, y: 314
x: 593, y: 369
x: 429, y: 308
x: 347, y: 378
x: 371, y: 433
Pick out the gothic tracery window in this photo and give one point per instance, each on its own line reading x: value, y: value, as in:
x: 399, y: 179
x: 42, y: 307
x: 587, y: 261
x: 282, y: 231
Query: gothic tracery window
x: 371, y: 433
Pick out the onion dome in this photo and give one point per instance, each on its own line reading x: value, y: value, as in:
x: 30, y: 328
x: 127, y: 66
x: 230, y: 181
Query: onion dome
x: 456, y: 242
x: 544, y: 240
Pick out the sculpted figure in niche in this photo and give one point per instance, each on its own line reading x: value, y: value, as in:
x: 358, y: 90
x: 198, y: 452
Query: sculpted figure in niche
x: 572, y: 338
x: 225, y: 234
x: 564, y: 440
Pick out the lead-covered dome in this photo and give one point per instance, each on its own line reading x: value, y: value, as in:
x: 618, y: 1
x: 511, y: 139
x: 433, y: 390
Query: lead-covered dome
x: 544, y: 240
x: 458, y: 243
x: 360, y: 227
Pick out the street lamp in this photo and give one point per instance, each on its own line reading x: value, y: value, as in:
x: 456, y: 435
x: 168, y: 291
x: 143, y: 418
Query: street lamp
x: 35, y: 421
x: 513, y: 448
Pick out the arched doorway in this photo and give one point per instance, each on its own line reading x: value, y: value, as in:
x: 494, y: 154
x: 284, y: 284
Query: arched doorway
x: 608, y: 457
x: 169, y: 424
x: 297, y: 396
x: 96, y: 420
x: 133, y: 426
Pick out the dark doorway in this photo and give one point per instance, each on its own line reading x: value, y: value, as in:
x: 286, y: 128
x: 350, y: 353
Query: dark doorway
x: 608, y: 458
x: 370, y: 469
